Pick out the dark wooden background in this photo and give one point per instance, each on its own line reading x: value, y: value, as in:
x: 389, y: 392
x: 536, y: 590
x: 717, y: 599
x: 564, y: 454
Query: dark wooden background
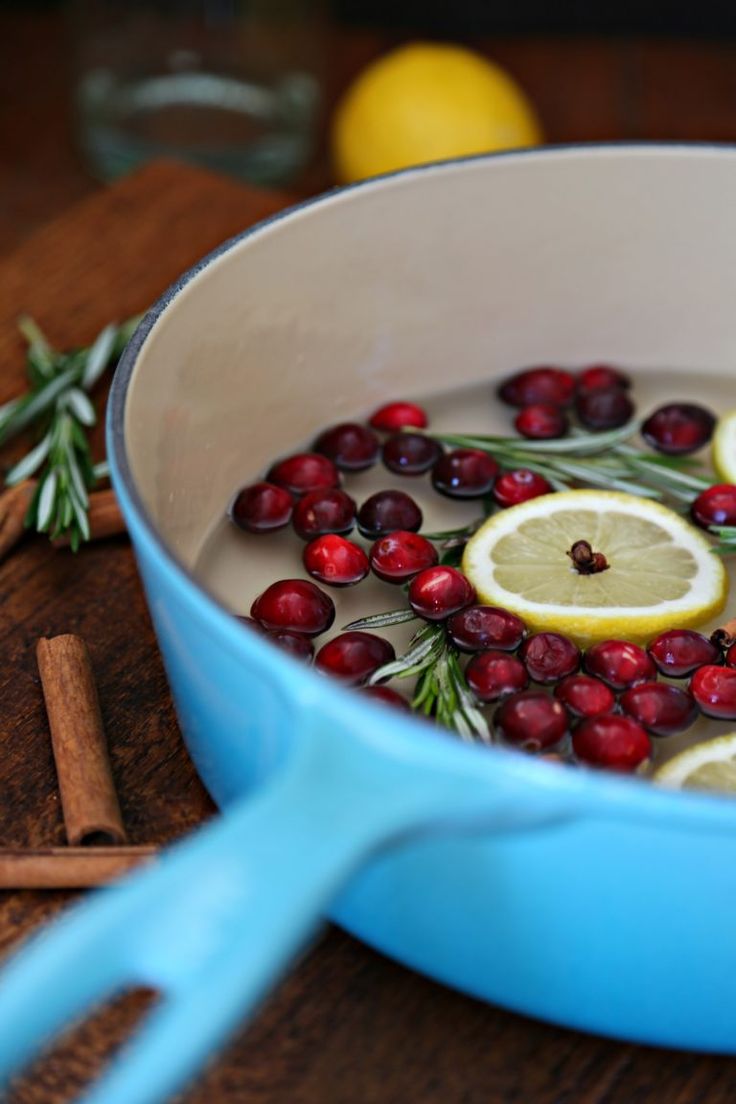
x: 347, y: 1027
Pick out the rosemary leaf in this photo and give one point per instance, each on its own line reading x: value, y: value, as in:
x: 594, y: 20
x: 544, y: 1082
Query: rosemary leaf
x: 383, y: 620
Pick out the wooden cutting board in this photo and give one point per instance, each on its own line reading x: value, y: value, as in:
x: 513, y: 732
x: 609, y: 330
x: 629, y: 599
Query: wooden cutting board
x: 347, y: 1027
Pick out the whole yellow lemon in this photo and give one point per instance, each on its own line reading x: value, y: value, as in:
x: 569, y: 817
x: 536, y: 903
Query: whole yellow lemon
x: 427, y: 102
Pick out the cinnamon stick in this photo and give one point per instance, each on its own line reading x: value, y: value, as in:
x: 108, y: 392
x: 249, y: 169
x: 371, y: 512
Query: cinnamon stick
x: 88, y: 798
x: 14, y: 503
x: 68, y: 867
x: 105, y: 518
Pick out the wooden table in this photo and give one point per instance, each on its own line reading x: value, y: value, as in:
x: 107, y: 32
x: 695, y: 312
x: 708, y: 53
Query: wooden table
x: 348, y: 1025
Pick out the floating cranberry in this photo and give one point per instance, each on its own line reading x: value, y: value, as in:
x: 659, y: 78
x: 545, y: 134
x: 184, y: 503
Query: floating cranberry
x: 716, y: 506
x: 619, y: 663
x: 320, y: 512
x: 612, y: 741
x: 305, y: 472
x: 400, y: 555
x: 410, y: 453
x: 479, y: 627
x: 494, y: 675
x: 541, y: 422
x: 335, y: 561
x: 531, y: 719
x: 714, y: 689
x: 352, y: 447
x: 398, y: 415
x: 438, y: 592
x: 585, y: 696
x: 601, y: 377
x: 464, y: 473
x: 538, y: 385
x: 599, y: 410
x: 294, y: 604
x: 354, y: 656
x: 549, y: 657
x: 661, y: 709
x: 388, y: 696
x: 678, y: 652
x: 678, y: 428
x: 262, y: 508
x: 387, y: 511
x: 296, y: 644
x: 514, y: 487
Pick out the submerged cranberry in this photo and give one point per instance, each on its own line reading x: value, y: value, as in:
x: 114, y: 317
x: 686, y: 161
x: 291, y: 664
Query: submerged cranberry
x: 296, y: 644
x: 601, y: 377
x: 678, y: 652
x: 400, y: 555
x: 599, y: 410
x: 493, y: 675
x: 438, y: 592
x: 538, y: 385
x: 716, y: 506
x: 320, y: 512
x: 678, y: 428
x: 335, y: 561
x: 354, y: 656
x: 294, y: 604
x: 549, y: 657
x: 397, y: 415
x: 714, y: 689
x: 388, y: 696
x: 541, y: 422
x: 351, y: 446
x: 515, y: 487
x: 612, y: 741
x: 387, y: 511
x: 619, y: 663
x: 262, y: 508
x: 305, y: 472
x: 410, y: 453
x: 479, y: 627
x: 531, y: 719
x: 585, y: 696
x: 662, y: 710
x: 464, y: 473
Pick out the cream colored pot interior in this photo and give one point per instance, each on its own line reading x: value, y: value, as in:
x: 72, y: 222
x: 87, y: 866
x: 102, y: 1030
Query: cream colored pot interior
x: 424, y: 282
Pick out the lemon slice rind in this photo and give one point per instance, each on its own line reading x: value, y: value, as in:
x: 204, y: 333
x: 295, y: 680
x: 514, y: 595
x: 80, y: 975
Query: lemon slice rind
x: 723, y: 448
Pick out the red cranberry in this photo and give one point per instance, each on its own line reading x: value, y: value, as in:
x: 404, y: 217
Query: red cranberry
x: 538, y: 385
x: 549, y: 657
x: 296, y: 644
x: 305, y: 472
x: 250, y: 622
x: 479, y: 627
x: 585, y: 696
x: 351, y: 446
x: 619, y: 663
x: 398, y: 415
x: 388, y: 696
x: 438, y: 592
x: 354, y: 656
x: 320, y: 512
x: 387, y: 511
x: 678, y: 428
x: 400, y: 555
x: 604, y: 409
x: 514, y: 487
x: 531, y: 719
x: 294, y: 604
x: 410, y: 453
x: 714, y: 689
x: 261, y: 508
x: 601, y: 377
x: 661, y: 709
x: 464, y: 473
x: 541, y: 422
x: 612, y: 741
x: 678, y: 652
x: 493, y: 675
x: 336, y: 561
x: 716, y: 506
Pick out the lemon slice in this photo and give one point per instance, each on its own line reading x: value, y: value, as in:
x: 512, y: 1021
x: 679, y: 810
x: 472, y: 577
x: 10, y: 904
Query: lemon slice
x: 707, y: 766
x: 661, y: 573
x: 723, y: 449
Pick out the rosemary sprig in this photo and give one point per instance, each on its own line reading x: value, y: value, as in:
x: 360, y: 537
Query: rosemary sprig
x: 58, y: 403
x: 726, y: 535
